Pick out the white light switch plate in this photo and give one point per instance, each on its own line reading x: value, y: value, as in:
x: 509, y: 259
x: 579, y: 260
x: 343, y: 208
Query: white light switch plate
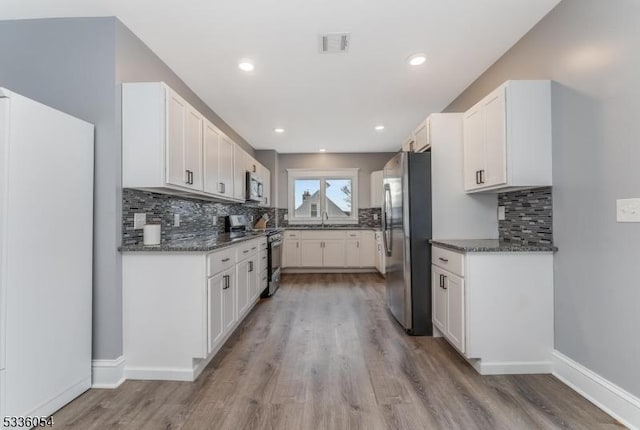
x: 176, y: 220
x: 628, y: 210
x: 375, y: 217
x: 286, y: 217
x: 139, y: 220
x: 501, y: 214
x: 214, y: 220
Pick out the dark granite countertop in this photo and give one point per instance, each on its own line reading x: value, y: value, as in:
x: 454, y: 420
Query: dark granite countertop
x: 490, y: 245
x: 195, y: 244
x: 332, y: 227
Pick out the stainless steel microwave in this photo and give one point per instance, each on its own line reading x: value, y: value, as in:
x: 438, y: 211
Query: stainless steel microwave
x: 255, y: 188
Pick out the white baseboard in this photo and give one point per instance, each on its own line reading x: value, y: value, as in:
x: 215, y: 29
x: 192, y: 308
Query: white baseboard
x: 620, y: 404
x: 160, y: 374
x: 107, y: 373
x: 512, y: 367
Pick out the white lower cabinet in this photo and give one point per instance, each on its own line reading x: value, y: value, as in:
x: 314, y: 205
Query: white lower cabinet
x: 180, y: 308
x: 221, y: 307
x: 495, y: 308
x: 331, y: 249
x: 333, y: 253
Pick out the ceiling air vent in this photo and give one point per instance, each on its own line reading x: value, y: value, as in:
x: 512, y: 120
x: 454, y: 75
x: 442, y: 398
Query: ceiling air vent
x: 334, y: 43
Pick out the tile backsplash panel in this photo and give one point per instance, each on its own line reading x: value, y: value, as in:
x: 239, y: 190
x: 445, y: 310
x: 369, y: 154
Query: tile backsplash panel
x: 528, y: 216
x: 365, y: 218
x: 196, y: 216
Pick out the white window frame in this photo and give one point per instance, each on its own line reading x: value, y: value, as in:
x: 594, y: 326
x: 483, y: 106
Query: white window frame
x: 351, y: 173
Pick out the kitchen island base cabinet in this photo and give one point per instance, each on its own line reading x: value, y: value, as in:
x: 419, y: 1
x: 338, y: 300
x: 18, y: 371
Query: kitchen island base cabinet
x: 496, y: 309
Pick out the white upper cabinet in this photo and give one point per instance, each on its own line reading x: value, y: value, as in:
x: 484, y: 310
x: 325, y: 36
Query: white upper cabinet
x: 169, y: 147
x: 218, y: 162
x: 422, y: 136
x: 507, y: 138
x: 376, y: 188
x: 184, y: 143
x: 239, y: 173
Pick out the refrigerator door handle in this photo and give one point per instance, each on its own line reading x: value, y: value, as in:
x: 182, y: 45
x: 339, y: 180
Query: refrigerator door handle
x: 387, y: 221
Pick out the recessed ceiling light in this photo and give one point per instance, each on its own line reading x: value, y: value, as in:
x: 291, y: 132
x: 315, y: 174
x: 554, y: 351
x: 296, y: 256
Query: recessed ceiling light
x: 246, y: 66
x: 323, y: 150
x: 417, y: 59
x: 379, y: 127
x: 279, y: 130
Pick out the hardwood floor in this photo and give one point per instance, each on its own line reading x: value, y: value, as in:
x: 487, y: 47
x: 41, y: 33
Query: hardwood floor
x: 324, y: 353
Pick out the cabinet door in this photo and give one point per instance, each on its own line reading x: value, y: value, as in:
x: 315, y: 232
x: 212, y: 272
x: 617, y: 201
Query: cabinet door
x: 239, y: 173
x: 421, y: 134
x: 311, y: 253
x: 495, y: 144
x: 455, y: 330
x: 377, y: 188
x: 225, y: 167
x: 291, y: 253
x: 367, y: 248
x: 215, y: 326
x: 211, y: 153
x: 243, y: 294
x: 353, y: 253
x: 193, y: 147
x: 473, y: 148
x: 229, y: 314
x: 176, y: 113
x: 439, y: 300
x: 334, y: 253
x: 266, y: 182
x: 253, y: 278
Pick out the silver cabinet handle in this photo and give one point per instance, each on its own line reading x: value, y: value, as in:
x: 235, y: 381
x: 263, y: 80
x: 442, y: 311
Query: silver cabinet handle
x: 251, y: 266
x: 443, y: 259
x: 358, y: 244
x: 245, y: 251
x: 224, y: 260
x: 297, y: 244
x: 186, y: 172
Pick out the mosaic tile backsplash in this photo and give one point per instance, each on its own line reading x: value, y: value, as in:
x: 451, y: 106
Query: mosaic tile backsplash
x: 528, y: 216
x: 365, y: 218
x: 196, y: 216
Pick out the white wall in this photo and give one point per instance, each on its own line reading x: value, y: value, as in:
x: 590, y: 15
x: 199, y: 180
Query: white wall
x: 591, y: 49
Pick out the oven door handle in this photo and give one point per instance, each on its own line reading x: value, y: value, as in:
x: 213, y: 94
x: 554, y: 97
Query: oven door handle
x: 276, y: 243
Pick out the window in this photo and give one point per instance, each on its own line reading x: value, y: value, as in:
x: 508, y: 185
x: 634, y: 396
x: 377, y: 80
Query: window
x: 318, y: 194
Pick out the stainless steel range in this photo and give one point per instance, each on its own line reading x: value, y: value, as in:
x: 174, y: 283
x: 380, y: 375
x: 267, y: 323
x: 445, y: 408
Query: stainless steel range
x: 274, y: 243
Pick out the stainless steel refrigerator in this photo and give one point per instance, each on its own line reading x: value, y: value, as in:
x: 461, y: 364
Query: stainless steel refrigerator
x: 407, y: 230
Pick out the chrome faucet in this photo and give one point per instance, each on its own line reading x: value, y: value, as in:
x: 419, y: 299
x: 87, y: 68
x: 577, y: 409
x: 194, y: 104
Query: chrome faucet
x: 325, y: 215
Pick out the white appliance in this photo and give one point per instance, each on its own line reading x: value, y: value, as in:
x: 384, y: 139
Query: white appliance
x: 46, y: 230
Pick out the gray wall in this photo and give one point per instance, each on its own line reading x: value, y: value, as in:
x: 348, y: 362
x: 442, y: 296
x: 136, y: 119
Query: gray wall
x: 367, y: 163
x: 76, y: 65
x: 135, y: 62
x: 590, y: 48
x: 69, y: 64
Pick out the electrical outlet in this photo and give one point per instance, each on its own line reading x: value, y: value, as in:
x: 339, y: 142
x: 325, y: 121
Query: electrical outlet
x: 286, y: 217
x: 214, y: 220
x: 501, y: 213
x: 375, y: 217
x: 176, y: 220
x: 628, y: 210
x: 139, y: 220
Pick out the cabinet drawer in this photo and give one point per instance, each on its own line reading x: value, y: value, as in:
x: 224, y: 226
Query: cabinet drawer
x: 323, y: 234
x: 264, y: 261
x: 294, y: 234
x: 247, y: 249
x: 353, y: 235
x: 221, y: 260
x: 449, y: 260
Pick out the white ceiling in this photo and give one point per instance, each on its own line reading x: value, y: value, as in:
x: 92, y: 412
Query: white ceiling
x: 330, y: 101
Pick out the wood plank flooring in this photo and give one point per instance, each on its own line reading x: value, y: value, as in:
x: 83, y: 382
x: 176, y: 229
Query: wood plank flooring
x: 324, y: 353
